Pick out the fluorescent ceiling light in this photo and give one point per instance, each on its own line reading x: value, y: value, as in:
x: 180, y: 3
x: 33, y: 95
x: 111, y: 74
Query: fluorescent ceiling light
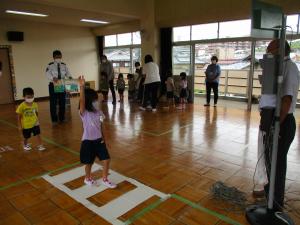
x: 93, y: 21
x: 25, y: 13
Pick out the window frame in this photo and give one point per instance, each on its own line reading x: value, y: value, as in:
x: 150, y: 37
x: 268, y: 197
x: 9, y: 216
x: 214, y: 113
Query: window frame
x: 117, y: 40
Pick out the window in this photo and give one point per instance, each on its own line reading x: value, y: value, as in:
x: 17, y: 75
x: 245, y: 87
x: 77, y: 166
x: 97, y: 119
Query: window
x: 120, y: 58
x: 181, y: 59
x: 123, y: 50
x: 295, y: 54
x: 292, y: 23
x: 238, y: 28
x: 110, y: 40
x: 182, y: 33
x: 205, y: 31
x: 124, y: 39
x: 234, y: 56
x: 136, y: 38
x: 136, y: 57
x: 261, y: 48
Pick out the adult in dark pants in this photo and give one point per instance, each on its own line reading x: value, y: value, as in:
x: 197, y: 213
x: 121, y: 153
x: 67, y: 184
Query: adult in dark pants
x: 152, y: 83
x: 288, y: 93
x: 212, y: 75
x: 56, y: 72
x: 139, y: 81
x: 106, y: 66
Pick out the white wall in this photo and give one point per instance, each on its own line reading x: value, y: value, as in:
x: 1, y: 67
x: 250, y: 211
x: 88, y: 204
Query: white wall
x: 78, y: 46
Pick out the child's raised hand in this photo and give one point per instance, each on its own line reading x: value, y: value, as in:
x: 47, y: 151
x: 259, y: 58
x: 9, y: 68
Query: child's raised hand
x: 81, y: 81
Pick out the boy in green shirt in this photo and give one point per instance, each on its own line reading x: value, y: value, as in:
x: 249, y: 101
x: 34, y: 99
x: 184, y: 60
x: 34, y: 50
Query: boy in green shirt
x: 28, y: 119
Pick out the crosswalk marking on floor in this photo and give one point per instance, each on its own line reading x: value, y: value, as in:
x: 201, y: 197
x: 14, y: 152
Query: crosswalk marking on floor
x: 113, y: 209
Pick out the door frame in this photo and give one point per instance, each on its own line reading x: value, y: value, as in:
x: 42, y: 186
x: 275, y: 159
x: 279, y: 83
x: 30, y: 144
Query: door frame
x: 11, y: 70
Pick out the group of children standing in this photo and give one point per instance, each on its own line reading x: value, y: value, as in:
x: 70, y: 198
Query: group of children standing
x: 171, y: 89
x: 93, y: 143
x: 133, y: 91
x: 120, y: 87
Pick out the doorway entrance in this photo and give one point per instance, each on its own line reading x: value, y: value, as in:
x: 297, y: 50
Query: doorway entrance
x: 6, y: 87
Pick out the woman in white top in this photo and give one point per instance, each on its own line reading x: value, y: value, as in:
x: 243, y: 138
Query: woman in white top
x: 152, y: 83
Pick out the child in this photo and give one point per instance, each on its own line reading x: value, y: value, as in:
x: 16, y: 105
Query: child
x: 121, y: 87
x: 170, y: 89
x: 131, y: 87
x: 104, y: 86
x: 28, y: 119
x: 93, y: 144
x: 183, y: 90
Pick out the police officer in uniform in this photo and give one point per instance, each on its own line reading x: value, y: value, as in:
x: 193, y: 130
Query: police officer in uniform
x: 57, y: 70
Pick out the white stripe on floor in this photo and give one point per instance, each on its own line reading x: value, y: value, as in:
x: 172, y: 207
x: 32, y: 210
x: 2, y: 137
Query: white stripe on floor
x: 112, y: 210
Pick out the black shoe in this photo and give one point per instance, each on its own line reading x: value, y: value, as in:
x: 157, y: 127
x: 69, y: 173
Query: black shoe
x: 206, y: 105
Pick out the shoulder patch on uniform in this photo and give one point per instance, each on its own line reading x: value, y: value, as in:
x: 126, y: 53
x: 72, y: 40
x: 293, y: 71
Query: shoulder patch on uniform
x: 51, y: 63
x: 63, y: 63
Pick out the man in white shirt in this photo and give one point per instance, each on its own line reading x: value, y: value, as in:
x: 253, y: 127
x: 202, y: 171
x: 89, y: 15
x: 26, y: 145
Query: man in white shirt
x: 289, y: 94
x: 56, y: 72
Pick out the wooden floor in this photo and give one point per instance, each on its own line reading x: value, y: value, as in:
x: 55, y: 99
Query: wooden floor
x: 175, y: 152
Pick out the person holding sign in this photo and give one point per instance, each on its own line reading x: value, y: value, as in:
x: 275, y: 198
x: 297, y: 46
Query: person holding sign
x: 56, y: 72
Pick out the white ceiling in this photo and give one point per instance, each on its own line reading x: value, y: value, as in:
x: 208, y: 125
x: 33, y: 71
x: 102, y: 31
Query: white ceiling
x: 69, y: 12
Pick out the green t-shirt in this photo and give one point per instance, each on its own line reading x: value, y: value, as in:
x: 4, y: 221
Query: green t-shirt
x: 29, y: 115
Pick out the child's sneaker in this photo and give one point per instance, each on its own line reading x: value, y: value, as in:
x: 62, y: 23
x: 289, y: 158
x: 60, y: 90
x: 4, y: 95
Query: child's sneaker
x: 41, y: 148
x: 27, y: 147
x: 108, y: 183
x: 89, y: 181
x: 142, y: 108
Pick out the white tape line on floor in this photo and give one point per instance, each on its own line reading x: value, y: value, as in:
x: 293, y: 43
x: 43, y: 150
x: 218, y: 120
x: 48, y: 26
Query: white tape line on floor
x: 113, y: 209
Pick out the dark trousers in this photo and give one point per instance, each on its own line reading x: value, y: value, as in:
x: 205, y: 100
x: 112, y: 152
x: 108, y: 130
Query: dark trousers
x: 112, y: 89
x: 286, y: 137
x: 150, y: 94
x: 215, y: 87
x: 141, y: 89
x: 61, y: 98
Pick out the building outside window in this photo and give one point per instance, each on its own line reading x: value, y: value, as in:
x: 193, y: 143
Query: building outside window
x: 123, y: 50
x: 194, y: 45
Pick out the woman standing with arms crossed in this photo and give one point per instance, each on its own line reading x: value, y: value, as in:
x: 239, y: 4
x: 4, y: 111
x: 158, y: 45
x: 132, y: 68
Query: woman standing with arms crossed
x: 212, y: 75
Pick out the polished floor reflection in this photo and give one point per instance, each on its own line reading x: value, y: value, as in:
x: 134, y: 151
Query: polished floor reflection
x: 176, y: 152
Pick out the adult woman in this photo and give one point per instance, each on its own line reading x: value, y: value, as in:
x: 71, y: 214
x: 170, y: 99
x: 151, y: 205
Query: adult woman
x: 152, y: 82
x: 212, y: 73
